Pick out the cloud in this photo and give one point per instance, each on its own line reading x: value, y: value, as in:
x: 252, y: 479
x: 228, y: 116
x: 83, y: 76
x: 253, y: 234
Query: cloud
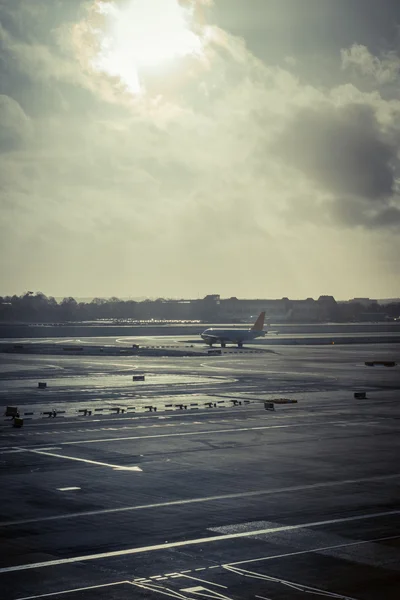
x: 15, y: 127
x: 344, y: 149
x: 355, y: 212
x: 351, y: 159
x: 384, y: 69
x: 223, y: 163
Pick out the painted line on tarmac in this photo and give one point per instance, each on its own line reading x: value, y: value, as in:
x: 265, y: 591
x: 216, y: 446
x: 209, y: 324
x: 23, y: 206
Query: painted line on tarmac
x: 72, y: 420
x: 84, y: 460
x: 294, y: 585
x: 203, y: 432
x: 311, y: 550
x: 202, y: 581
x: 233, y: 496
x: 160, y: 424
x: 193, y: 542
x: 83, y: 589
x: 179, y: 574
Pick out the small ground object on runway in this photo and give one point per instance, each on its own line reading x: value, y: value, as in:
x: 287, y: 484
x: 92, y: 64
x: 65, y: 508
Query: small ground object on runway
x: 138, y: 378
x: 86, y: 412
x: 269, y: 406
x: 11, y: 411
x: 18, y: 422
x: 360, y: 395
x: 50, y: 413
x: 42, y: 385
x: 284, y: 401
x: 236, y: 402
x: 384, y: 363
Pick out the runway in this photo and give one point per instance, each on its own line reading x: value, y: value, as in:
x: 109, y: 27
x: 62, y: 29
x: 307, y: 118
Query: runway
x: 104, y: 384
x: 212, y: 501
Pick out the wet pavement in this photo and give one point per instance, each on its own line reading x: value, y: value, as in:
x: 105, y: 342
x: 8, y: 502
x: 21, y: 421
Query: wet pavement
x: 212, y: 501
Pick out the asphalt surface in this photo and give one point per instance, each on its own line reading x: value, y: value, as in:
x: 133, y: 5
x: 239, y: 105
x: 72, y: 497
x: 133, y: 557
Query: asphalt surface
x: 227, y: 502
x: 274, y: 336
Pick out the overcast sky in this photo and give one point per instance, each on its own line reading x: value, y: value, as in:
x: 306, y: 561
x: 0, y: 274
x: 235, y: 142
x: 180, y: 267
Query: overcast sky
x: 177, y: 148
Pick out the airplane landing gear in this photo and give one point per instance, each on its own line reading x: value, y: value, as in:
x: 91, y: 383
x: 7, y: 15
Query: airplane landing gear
x: 223, y: 345
x: 240, y: 344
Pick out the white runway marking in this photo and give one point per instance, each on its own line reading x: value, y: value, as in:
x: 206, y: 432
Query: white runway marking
x: 271, y: 491
x: 84, y: 460
x: 222, y: 566
x: 203, y: 432
x: 203, y: 592
x: 291, y: 584
x: 38, y: 426
x: 203, y: 581
x: 194, y: 542
x: 84, y: 589
x: 68, y: 489
x: 312, y: 550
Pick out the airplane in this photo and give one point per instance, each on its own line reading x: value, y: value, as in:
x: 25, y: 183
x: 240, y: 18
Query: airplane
x: 236, y: 336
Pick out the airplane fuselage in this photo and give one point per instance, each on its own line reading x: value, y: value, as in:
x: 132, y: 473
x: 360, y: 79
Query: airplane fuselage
x: 234, y: 336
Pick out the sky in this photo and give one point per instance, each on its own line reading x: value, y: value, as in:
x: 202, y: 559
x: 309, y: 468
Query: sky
x: 178, y: 148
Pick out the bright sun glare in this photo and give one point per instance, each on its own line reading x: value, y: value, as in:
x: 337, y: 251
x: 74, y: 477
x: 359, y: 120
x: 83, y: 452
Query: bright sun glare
x: 140, y: 35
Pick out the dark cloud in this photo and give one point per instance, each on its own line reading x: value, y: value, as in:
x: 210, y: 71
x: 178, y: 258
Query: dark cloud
x: 354, y: 212
x: 37, y: 66
x: 342, y: 149
x: 389, y: 217
x: 276, y: 28
x: 37, y: 20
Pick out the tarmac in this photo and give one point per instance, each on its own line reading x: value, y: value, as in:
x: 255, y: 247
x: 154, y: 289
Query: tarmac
x: 217, y: 500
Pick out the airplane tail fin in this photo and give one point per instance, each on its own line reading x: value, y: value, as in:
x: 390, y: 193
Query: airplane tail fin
x: 259, y: 324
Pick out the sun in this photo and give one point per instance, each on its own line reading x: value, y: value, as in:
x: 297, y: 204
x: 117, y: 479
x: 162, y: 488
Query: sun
x: 141, y: 36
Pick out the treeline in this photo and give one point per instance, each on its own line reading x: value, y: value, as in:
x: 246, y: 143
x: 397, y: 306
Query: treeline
x: 39, y: 308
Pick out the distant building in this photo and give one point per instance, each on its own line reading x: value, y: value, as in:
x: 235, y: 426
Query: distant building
x: 213, y: 308
x: 207, y: 309
x: 363, y: 301
x: 277, y: 311
x: 328, y: 308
